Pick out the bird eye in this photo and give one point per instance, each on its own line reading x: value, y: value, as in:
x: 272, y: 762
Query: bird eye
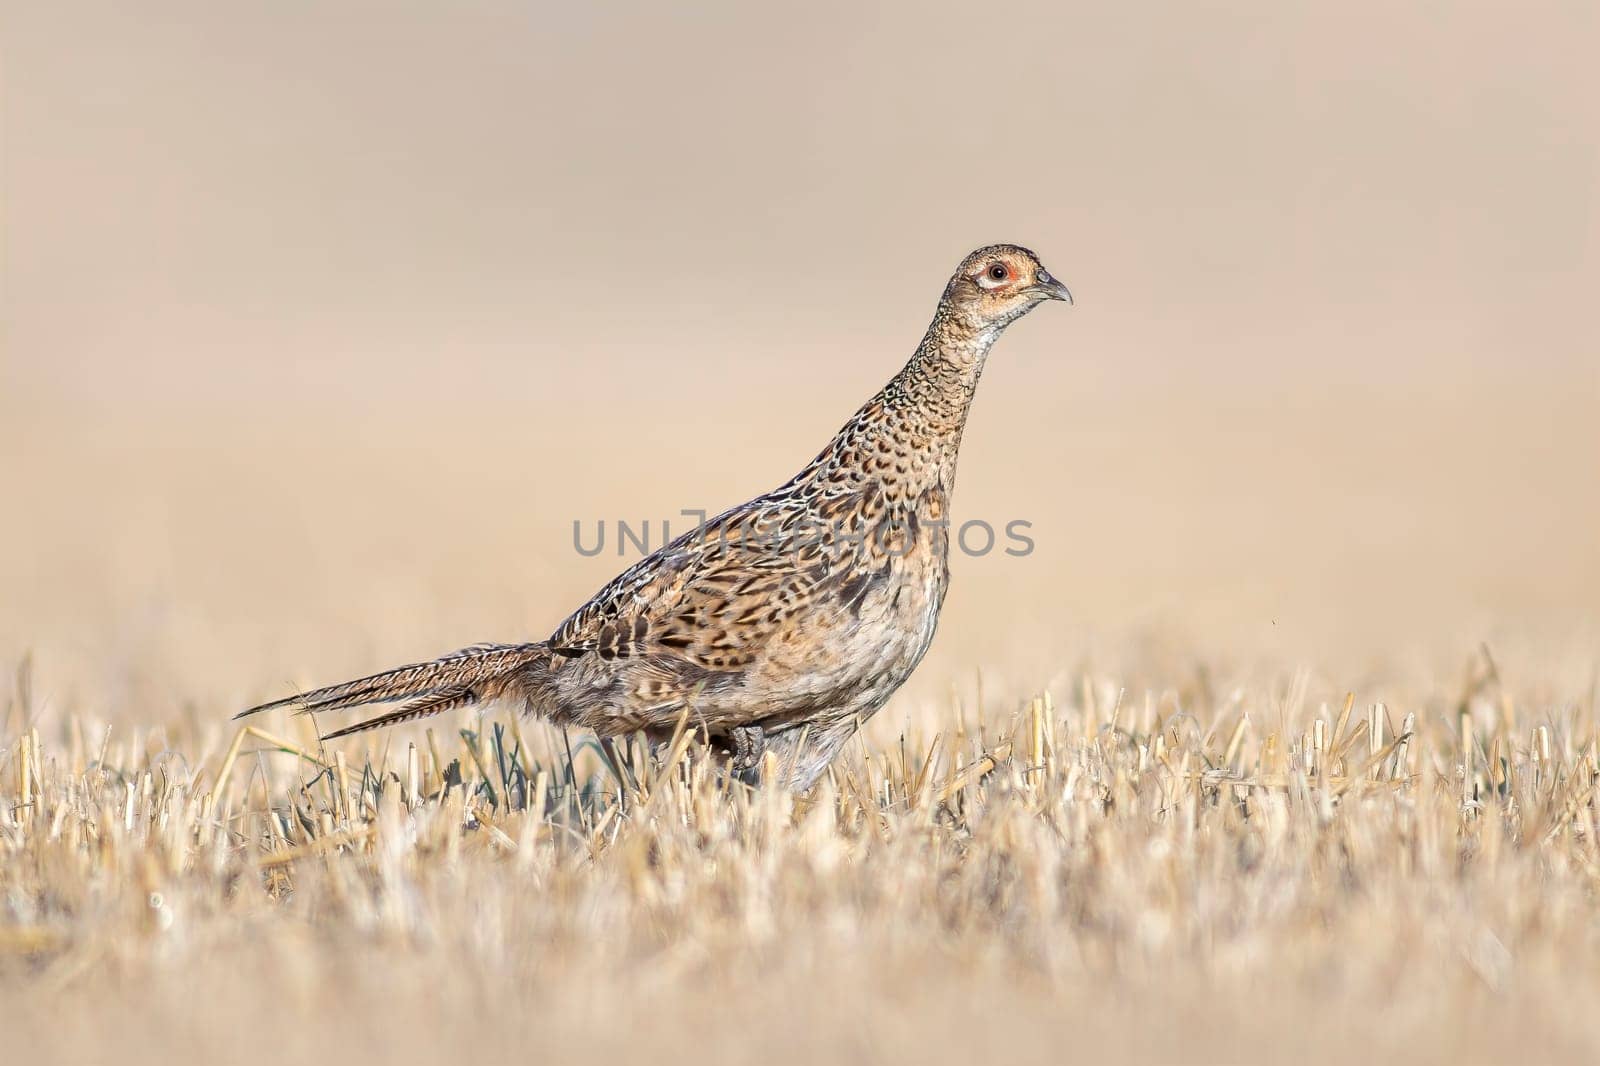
x: 994, y: 276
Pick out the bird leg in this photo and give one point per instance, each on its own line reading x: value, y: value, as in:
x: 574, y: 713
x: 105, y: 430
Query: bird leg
x: 619, y: 769
x: 747, y: 744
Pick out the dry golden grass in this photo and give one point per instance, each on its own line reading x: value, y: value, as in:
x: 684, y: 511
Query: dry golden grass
x: 1155, y: 871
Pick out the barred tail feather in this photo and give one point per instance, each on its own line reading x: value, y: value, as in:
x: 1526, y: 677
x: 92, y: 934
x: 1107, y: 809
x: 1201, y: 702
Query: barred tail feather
x: 434, y: 703
x: 460, y: 678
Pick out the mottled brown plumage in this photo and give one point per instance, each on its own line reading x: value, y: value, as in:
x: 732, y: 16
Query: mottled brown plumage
x: 783, y: 624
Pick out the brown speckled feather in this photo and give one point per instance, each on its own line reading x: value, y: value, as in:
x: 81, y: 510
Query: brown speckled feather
x: 792, y: 617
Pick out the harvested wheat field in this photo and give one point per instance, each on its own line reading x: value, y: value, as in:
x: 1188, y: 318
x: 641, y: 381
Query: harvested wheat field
x: 1174, y: 871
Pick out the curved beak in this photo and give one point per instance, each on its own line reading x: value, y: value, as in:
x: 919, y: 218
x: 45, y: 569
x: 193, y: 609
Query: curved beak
x: 1051, y: 288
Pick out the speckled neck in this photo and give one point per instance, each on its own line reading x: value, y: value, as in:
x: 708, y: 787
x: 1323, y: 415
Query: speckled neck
x: 906, y: 438
x: 934, y: 390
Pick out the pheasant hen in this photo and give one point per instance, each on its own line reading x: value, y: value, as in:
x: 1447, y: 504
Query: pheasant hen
x: 783, y: 624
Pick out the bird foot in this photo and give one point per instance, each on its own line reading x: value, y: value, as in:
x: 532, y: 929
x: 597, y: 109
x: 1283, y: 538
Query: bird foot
x: 747, y: 745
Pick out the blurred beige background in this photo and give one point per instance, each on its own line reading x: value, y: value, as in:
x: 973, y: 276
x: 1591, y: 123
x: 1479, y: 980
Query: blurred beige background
x: 322, y: 323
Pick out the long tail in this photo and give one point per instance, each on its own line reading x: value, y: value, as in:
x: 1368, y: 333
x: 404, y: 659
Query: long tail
x: 459, y: 679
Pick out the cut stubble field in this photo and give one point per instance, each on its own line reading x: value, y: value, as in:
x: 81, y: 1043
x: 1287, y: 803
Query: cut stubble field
x: 1172, y: 871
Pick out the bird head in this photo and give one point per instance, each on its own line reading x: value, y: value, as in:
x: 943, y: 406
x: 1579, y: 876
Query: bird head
x: 997, y: 285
